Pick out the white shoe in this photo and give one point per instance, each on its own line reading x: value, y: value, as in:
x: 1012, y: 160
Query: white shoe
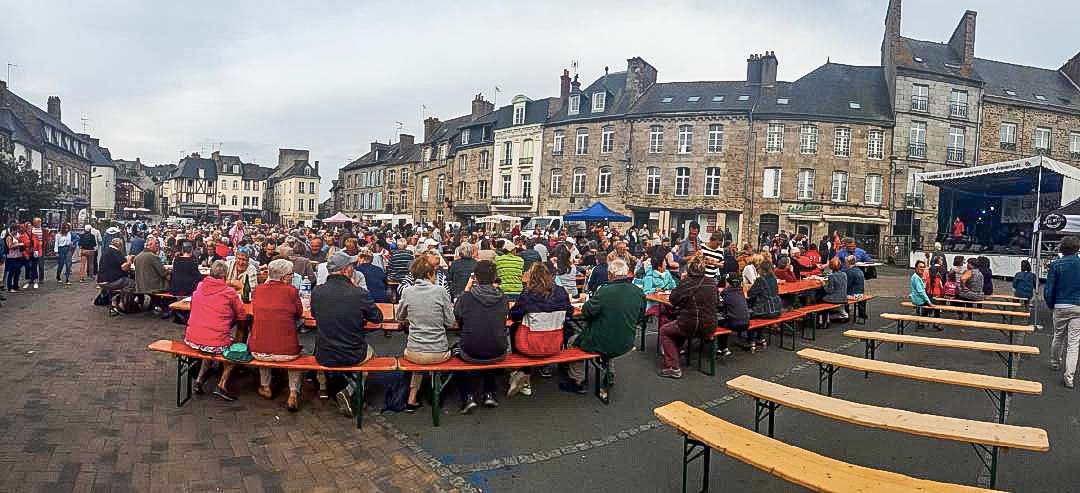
x: 35, y: 285
x: 526, y: 390
x: 1069, y: 381
x: 25, y: 285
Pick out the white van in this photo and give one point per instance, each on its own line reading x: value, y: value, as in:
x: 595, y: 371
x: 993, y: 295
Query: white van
x: 553, y: 222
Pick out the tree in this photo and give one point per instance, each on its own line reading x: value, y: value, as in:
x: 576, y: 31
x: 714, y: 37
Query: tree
x: 21, y: 187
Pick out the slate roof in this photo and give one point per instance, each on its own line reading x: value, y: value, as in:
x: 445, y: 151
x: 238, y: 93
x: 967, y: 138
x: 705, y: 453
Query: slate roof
x: 934, y: 56
x: 297, y: 169
x: 189, y: 168
x: 251, y: 171
x: 38, y: 131
x: 682, y: 92
x: 394, y: 153
x: 227, y: 162
x: 536, y: 111
x: 160, y: 172
x: 614, y: 104
x: 1026, y: 82
x: 19, y: 132
x: 100, y: 156
x: 827, y: 93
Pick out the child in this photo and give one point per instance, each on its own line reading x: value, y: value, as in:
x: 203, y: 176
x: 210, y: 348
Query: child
x: 951, y: 287
x: 1024, y: 281
x: 733, y: 312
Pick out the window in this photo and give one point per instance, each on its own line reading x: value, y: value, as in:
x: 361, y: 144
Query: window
x: 839, y: 186
x: 481, y: 189
x: 526, y: 185
x: 1074, y: 145
x: 465, y: 136
x: 440, y: 188
x: 519, y: 114
x: 575, y: 105
x: 808, y: 139
x: 607, y: 138
x: 300, y: 205
x: 599, y: 101
x: 920, y: 97
x: 462, y: 190
x: 682, y: 181
x: 390, y: 178
x: 582, y: 141
x: 556, y: 181
x: 955, y: 150
x: 805, y: 185
x: 652, y: 181
x: 603, y: 182
x: 770, y: 184
x: 958, y: 104
x: 855, y: 105
x: 712, y: 182
x: 744, y: 97
x: 579, y: 181
x: 774, y: 141
x: 235, y: 200
x: 1042, y: 140
x: 875, y: 144
x: 404, y: 177
x: 221, y: 199
x: 442, y: 151
x: 424, y: 184
x: 255, y: 201
x: 872, y: 194
x: 842, y: 142
x: 255, y: 186
x: 917, y: 140
x: 718, y: 98
x: 693, y: 99
x: 235, y: 185
x: 508, y: 153
x: 656, y: 139
x: 666, y: 99
x: 403, y: 202
x: 557, y: 143
x: 716, y: 138
x: 1008, y: 136
x: 686, y: 138
x: 485, y: 163
x: 247, y: 185
x: 782, y: 100
x: 311, y: 205
x: 1040, y: 97
x: 526, y: 156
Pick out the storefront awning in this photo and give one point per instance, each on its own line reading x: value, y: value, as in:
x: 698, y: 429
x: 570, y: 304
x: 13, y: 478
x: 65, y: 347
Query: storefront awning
x: 855, y: 219
x: 803, y: 217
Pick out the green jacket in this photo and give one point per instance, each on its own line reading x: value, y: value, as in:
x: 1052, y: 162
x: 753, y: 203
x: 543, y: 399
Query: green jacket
x: 613, y: 313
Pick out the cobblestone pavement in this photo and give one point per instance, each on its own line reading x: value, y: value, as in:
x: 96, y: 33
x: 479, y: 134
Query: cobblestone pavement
x: 93, y: 410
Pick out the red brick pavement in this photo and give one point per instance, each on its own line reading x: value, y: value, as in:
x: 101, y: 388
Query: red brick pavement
x: 90, y: 409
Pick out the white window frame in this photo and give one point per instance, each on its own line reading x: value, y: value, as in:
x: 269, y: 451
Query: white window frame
x: 599, y: 102
x: 557, y: 141
x: 555, y: 184
x: 575, y: 105
x: 875, y: 145
x: 508, y: 153
x: 603, y: 181
x: 712, y: 181
x: 958, y: 103
x: 425, y: 184
x: 839, y: 186
x: 1074, y: 142
x: 686, y: 138
x: 808, y: 139
x: 842, y: 142
x: 481, y: 189
x: 507, y: 184
x: 682, y: 181
x: 805, y: 184
x: 955, y: 140
x: 579, y: 181
x: 652, y: 181
x: 920, y: 98
x: 582, y: 142
x: 770, y: 183
x: 519, y: 114
x: 465, y: 136
x: 1007, y: 133
x: 1048, y: 132
x: 872, y: 191
x: 656, y: 139
x: 526, y: 185
x: 716, y: 138
x: 607, y: 138
x: 774, y: 138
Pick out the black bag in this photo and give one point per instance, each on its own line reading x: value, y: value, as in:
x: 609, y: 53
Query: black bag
x: 102, y: 298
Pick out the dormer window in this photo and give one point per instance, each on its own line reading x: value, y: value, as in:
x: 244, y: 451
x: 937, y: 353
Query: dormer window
x: 781, y: 100
x: 917, y: 59
x: 744, y: 97
x: 951, y: 65
x: 599, y: 102
x: 693, y: 99
x: 465, y: 136
x: 665, y: 100
x: 307, y: 172
x: 575, y: 105
x: 519, y: 113
x: 1010, y: 92
x: 854, y: 105
x: 1040, y: 97
x: 718, y: 99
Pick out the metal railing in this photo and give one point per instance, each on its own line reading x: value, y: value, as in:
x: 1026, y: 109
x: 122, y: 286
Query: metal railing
x: 919, y: 103
x: 1008, y: 146
x: 511, y: 200
x: 954, y: 154
x: 958, y: 110
x: 917, y: 150
x: 914, y: 201
x: 525, y: 160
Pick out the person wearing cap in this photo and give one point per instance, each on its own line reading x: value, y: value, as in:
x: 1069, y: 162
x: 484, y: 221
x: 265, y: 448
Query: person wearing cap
x: 276, y: 307
x: 427, y: 308
x: 342, y: 309
x: 481, y: 313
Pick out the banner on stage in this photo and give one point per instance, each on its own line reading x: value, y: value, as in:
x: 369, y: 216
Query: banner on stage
x: 1021, y: 208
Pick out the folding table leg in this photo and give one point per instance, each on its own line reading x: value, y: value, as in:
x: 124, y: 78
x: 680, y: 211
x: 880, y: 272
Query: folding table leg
x: 692, y: 450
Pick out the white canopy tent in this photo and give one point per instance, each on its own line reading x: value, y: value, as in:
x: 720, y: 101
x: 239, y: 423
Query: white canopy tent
x: 339, y: 218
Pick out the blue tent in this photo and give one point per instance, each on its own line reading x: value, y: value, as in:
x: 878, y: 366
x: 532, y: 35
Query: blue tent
x: 596, y: 212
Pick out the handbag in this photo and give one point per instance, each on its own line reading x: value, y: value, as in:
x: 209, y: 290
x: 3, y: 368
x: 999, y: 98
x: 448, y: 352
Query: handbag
x: 237, y: 352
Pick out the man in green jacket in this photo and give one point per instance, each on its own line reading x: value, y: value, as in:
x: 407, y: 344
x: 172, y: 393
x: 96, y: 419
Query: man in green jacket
x: 612, y: 315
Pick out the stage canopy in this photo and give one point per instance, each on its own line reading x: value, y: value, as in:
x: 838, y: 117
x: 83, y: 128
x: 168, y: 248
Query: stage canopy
x: 1063, y: 220
x: 1018, y: 177
x: 339, y: 218
x: 596, y: 212
x: 497, y: 218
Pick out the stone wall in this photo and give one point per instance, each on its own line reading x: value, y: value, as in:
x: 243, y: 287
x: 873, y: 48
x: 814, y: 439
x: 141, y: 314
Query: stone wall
x: 1026, y: 120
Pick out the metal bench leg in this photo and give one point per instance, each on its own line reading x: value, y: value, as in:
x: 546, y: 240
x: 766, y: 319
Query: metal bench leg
x: 184, y: 373
x: 358, y: 397
x: 762, y: 410
x: 712, y: 357
x: 900, y: 331
x: 991, y: 465
x: 999, y: 401
x: 871, y: 349
x: 813, y: 322
x: 644, y: 327
x: 436, y: 397
x: 692, y: 450
x: 825, y: 373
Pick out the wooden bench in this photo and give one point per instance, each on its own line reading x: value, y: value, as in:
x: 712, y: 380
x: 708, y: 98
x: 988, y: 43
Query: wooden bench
x: 1006, y: 316
x: 440, y: 373
x: 186, y: 358
x: 768, y: 396
x: 1004, y: 351
x: 813, y: 313
x: 703, y: 432
x: 1007, y: 297
x: 1008, y: 329
x: 860, y: 308
x: 989, y: 302
x: 783, y: 324
x: 997, y: 389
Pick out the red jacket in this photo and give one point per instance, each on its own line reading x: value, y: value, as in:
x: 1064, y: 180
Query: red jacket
x: 808, y: 262
x: 276, y: 308
x: 214, y: 307
x: 30, y: 244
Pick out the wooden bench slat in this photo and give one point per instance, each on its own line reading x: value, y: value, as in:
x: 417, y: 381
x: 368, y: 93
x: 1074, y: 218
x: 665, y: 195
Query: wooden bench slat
x: 971, y: 324
x: 817, y: 307
x: 928, y: 425
x: 511, y: 361
x: 378, y: 363
x: 983, y: 302
x: 968, y: 309
x: 950, y: 377
x: 790, y: 463
x: 942, y: 342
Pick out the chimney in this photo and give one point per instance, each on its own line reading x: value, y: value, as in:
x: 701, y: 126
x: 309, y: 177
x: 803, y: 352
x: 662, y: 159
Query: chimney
x: 316, y: 168
x: 405, y: 140
x: 890, y: 44
x: 768, y: 69
x: 564, y: 87
x: 216, y: 155
x: 962, y: 41
x: 96, y: 142
x: 481, y: 107
x: 429, y: 127
x: 54, y: 107
x: 753, y: 70
x: 1071, y: 69
x: 640, y: 76
x: 3, y: 94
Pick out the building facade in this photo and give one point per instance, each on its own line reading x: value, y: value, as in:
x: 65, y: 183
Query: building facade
x: 474, y: 157
x: 398, y: 192
x: 292, y: 190
x: 518, y: 144
x: 191, y: 189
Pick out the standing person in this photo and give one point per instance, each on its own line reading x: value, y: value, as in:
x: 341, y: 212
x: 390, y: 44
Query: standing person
x: 64, y: 243
x: 1062, y: 295
x: 277, y: 308
x: 481, y: 313
x: 510, y: 268
x: 713, y: 254
x: 87, y: 253
x: 937, y: 277
x: 34, y: 253
x: 692, y: 244
x: 957, y: 232
x: 215, y: 307
x: 919, y: 297
x: 694, y: 300
x: 13, y: 262
x: 825, y: 249
x: 1024, y: 281
x: 98, y: 244
x: 426, y: 307
x: 988, y: 276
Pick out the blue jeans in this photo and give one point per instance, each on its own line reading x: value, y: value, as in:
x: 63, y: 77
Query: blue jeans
x: 12, y: 268
x: 63, y: 262
x: 32, y: 265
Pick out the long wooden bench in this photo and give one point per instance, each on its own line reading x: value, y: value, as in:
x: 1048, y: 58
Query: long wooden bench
x: 860, y: 308
x: 1007, y: 316
x: 1008, y: 329
x: 989, y: 302
x: 817, y: 321
x: 768, y: 396
x: 997, y: 388
x: 186, y: 358
x: 1004, y: 351
x: 440, y: 373
x: 703, y: 432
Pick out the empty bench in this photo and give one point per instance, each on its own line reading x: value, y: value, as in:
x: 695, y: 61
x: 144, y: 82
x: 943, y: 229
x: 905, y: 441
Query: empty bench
x: 440, y: 373
x: 769, y: 396
x: 1005, y: 351
x: 902, y: 320
x: 997, y: 389
x: 1006, y: 315
x: 186, y: 357
x: 702, y: 433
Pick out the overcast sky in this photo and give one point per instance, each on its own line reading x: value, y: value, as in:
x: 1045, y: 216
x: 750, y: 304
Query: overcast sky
x: 159, y: 79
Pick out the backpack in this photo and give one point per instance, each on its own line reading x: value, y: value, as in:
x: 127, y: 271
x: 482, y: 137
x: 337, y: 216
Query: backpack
x: 951, y: 289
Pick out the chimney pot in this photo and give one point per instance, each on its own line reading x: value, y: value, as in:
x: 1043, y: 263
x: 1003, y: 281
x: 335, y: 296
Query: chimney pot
x: 54, y: 106
x: 405, y: 140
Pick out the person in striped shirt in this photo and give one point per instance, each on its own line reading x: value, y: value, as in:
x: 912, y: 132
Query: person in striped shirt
x: 400, y: 261
x: 714, y: 254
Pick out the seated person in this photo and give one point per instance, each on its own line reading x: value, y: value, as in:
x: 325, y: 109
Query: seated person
x: 435, y: 260
x: 611, y: 317
x: 539, y: 315
x: 694, y: 302
x: 1024, y: 281
x: 598, y: 274
x: 342, y: 309
x: 276, y: 308
x: 784, y: 271
x: 733, y: 312
x: 481, y: 313
x: 763, y: 296
x: 426, y: 307
x: 460, y: 269
x: 835, y: 288
x: 113, y: 273
x: 215, y: 307
x: 971, y: 281
x: 150, y: 275
x: 241, y: 268
x: 374, y: 276
x: 185, y: 272
x: 856, y: 280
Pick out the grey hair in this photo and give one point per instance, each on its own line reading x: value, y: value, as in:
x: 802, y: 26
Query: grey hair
x: 465, y: 250
x: 618, y: 267
x: 279, y: 269
x: 850, y: 259
x: 219, y: 269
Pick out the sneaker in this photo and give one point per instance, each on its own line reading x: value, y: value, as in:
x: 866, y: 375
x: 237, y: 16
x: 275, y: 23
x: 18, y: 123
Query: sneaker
x: 675, y: 373
x: 526, y: 390
x: 489, y: 400
x: 1054, y: 365
x: 1069, y: 382
x: 545, y: 371
x: 222, y: 394
x: 469, y: 405
x: 344, y: 403
x: 35, y: 285
x: 517, y: 381
x: 324, y: 394
x: 724, y: 352
x: 25, y: 285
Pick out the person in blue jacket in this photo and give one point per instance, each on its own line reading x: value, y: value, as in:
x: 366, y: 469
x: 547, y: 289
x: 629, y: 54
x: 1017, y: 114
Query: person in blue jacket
x: 1062, y: 295
x: 918, y: 287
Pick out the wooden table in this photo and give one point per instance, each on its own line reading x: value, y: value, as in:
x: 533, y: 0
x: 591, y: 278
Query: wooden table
x: 800, y: 286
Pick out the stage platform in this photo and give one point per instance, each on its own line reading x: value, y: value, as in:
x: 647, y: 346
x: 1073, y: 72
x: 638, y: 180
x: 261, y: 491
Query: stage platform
x: 1001, y: 264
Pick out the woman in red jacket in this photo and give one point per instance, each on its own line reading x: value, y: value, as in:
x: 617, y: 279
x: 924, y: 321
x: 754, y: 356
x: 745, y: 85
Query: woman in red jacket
x: 277, y: 307
x: 215, y: 306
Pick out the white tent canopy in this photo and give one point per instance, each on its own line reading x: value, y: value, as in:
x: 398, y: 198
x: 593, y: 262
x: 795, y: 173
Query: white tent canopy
x: 1017, y: 177
x: 339, y: 218
x: 497, y: 218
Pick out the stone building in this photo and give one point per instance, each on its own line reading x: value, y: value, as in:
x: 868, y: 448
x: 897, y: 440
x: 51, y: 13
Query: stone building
x: 241, y: 187
x: 518, y: 142
x: 474, y: 157
x: 292, y: 191
x: 432, y: 175
x: 191, y: 189
x: 366, y: 189
x: 399, y: 183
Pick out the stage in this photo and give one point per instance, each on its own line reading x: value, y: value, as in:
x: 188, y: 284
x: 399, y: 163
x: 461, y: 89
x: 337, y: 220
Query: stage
x: 1002, y: 265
